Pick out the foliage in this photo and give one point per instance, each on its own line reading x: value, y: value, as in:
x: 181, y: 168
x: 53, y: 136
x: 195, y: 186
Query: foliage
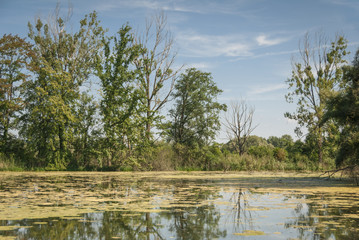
x: 284, y: 141
x: 280, y: 154
x: 52, y: 119
x: 15, y: 54
x: 61, y: 64
x: 84, y: 132
x: 344, y: 108
x: 121, y: 98
x: 195, y: 114
x: 261, y: 151
x: 314, y: 79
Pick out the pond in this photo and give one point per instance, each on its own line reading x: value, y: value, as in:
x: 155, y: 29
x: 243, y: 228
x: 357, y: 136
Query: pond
x: 176, y: 205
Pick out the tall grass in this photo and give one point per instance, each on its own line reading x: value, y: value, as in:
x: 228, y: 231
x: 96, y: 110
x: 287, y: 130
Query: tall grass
x: 8, y: 163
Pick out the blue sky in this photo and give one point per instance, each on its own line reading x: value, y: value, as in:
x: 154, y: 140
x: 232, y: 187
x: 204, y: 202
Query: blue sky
x: 247, y: 45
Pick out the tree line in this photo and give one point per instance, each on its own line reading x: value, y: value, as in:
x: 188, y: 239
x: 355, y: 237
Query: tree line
x: 54, y: 117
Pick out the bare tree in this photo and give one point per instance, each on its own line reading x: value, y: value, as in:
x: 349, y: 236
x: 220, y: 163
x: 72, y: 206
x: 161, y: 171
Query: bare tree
x: 156, y: 66
x: 239, y: 123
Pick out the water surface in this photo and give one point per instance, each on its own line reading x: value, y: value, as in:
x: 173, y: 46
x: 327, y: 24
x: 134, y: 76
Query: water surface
x: 163, y: 205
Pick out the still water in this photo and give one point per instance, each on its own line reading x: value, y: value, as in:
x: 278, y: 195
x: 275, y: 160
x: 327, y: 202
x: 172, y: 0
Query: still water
x: 160, y: 205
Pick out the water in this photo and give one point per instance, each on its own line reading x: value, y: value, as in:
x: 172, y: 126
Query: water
x: 175, y: 206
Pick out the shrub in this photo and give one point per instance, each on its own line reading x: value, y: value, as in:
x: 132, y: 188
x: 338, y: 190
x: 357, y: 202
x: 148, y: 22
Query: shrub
x: 260, y: 151
x: 280, y: 154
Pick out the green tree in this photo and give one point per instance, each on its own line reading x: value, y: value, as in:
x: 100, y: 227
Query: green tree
x: 195, y: 114
x: 62, y: 63
x: 344, y: 108
x: 121, y: 98
x: 284, y: 141
x: 15, y: 54
x: 84, y: 131
x: 314, y: 79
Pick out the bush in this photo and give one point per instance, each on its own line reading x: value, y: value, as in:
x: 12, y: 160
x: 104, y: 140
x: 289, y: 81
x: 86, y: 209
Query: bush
x: 260, y: 151
x: 163, y: 159
x: 280, y: 154
x: 8, y: 163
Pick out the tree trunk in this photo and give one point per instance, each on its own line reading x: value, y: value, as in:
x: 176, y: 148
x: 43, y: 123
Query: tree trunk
x: 62, y: 146
x: 320, y: 150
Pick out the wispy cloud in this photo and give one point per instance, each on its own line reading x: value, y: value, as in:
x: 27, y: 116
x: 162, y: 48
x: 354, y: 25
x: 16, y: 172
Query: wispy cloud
x: 264, y: 40
x: 197, y: 45
x: 266, y: 54
x: 200, y: 65
x: 175, y: 6
x: 267, y: 89
x: 193, y: 44
x: 347, y: 3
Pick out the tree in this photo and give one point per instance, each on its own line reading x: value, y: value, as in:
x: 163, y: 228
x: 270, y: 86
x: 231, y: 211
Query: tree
x: 314, y: 79
x: 15, y: 54
x: 62, y: 63
x: 120, y: 104
x: 343, y: 107
x: 157, y: 76
x: 239, y: 122
x: 195, y: 114
x: 284, y: 141
x: 85, y: 130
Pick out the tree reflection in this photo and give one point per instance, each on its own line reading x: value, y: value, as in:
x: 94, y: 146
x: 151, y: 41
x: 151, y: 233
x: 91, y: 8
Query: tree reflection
x: 324, y: 219
x: 241, y: 215
x: 199, y: 221
x: 186, y: 217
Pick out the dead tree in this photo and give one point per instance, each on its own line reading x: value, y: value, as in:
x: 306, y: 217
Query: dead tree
x: 239, y: 124
x: 156, y: 64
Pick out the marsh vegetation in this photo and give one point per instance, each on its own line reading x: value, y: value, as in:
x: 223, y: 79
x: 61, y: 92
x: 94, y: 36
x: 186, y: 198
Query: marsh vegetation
x: 149, y: 113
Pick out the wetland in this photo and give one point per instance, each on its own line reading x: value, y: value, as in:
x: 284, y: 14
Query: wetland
x: 176, y: 205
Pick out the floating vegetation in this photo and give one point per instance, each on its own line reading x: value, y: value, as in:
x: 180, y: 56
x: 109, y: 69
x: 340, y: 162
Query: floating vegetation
x: 215, y: 205
x: 250, y: 233
x: 7, y: 237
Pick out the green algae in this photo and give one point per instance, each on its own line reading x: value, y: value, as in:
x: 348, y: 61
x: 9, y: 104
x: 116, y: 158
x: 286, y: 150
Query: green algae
x: 136, y: 196
x: 7, y: 237
x: 250, y: 233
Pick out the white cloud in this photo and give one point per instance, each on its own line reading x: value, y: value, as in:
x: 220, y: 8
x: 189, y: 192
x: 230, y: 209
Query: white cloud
x: 263, y: 40
x: 200, y: 65
x: 197, y: 45
x: 267, y: 89
x: 291, y: 121
x: 193, y: 44
x: 239, y: 8
x: 267, y: 54
x: 167, y: 5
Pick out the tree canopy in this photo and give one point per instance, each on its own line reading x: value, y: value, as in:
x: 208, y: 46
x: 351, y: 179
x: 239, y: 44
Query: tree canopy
x: 315, y: 77
x: 195, y: 114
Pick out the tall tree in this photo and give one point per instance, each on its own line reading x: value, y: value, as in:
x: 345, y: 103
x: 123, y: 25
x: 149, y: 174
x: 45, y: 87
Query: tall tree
x: 120, y: 105
x: 157, y: 76
x: 85, y: 130
x: 314, y: 79
x: 15, y: 53
x: 239, y: 124
x: 195, y: 114
x: 344, y: 108
x: 62, y: 63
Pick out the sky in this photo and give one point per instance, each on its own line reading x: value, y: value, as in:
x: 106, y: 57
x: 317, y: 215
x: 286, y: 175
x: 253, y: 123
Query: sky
x: 247, y: 45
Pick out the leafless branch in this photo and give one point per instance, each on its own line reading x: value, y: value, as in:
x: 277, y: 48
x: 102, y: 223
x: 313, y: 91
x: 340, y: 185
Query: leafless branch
x: 239, y: 123
x: 156, y: 64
